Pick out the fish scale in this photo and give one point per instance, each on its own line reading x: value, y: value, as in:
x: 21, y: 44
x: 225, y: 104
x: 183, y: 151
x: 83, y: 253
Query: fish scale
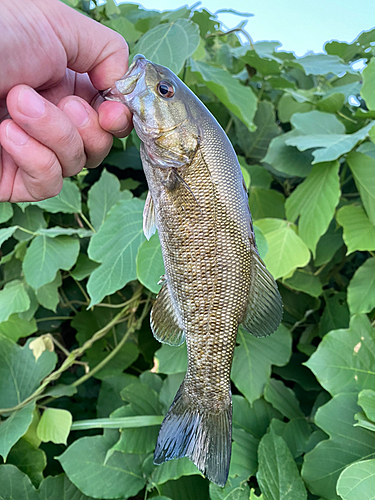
x: 214, y: 278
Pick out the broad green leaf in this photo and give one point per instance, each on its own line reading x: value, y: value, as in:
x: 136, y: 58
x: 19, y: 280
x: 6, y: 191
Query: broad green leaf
x: 328, y: 244
x: 60, y: 488
x: 142, y: 398
x: 45, y: 256
x: 170, y: 359
x: 48, y: 295
x: 304, y: 281
x: 286, y: 250
x: 366, y: 399
x: 359, y: 233
x: 52, y: 232
x: 125, y: 28
x: 363, y: 169
x: 361, y: 289
x: 266, y: 203
x: 173, y: 470
x: 288, y: 106
x: 259, y: 176
x: 314, y: 201
x: 265, y: 64
x: 20, y: 374
x: 170, y: 44
x: 31, y: 219
x: 84, y: 464
x: 363, y: 421
x: 347, y: 444
x: 324, y: 133
x: 29, y: 460
x: 54, y: 425
x: 335, y: 314
x: 6, y: 211
x: 6, y: 233
x: 83, y: 268
x: 296, y: 433
x: 255, y: 144
x: 345, y: 359
x: 123, y: 359
x: 15, y: 327
x: 253, y: 358
x: 368, y: 88
x: 331, y: 103
x: 254, y: 418
x: 14, y: 427
x: 240, y: 100
x: 169, y: 389
x: 283, y: 399
x: 13, y: 299
x: 109, y: 396
x: 103, y: 195
x: 278, y: 476
x: 357, y: 481
x: 286, y: 159
x: 322, y: 64
x: 150, y: 266
x: 244, y: 454
x: 120, y: 236
x: 234, y: 489
x: 67, y: 202
x: 186, y: 488
x: 15, y: 485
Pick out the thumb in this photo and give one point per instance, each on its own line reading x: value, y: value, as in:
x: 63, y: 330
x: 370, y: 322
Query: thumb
x: 90, y: 47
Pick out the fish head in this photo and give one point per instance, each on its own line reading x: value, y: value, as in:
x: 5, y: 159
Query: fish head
x: 163, y: 112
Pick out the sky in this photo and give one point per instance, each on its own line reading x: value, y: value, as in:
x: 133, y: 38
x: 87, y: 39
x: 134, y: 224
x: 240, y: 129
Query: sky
x: 300, y: 25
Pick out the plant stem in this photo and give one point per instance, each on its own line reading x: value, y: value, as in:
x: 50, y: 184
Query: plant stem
x: 87, y: 221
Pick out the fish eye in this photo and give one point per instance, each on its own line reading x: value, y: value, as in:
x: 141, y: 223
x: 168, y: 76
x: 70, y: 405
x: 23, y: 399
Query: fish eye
x: 165, y: 89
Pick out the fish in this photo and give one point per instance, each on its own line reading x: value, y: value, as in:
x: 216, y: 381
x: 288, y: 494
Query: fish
x: 214, y: 278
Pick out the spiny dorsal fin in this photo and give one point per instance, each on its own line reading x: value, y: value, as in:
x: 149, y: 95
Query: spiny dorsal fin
x: 264, y: 307
x: 149, y: 222
x: 165, y: 324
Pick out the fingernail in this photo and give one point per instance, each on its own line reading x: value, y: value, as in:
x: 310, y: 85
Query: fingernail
x: 76, y: 112
x: 30, y: 103
x: 16, y: 134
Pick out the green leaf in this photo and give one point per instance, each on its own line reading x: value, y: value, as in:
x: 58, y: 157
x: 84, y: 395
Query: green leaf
x: 283, y: 399
x: 13, y: 299
x: 255, y: 144
x: 6, y: 233
x: 288, y: 160
x: 347, y: 444
x: 150, y: 266
x: 31, y: 219
x: 331, y: 103
x: 324, y: 133
x: 366, y: 399
x: 357, y: 481
x: 20, y: 374
x: 48, y: 295
x: 345, y: 359
x: 58, y: 488
x: 266, y: 203
x: 54, y: 425
x: 304, y: 281
x: 170, y: 44
x: 103, y: 195
x: 14, y: 427
x: 29, y: 460
x: 186, y: 488
x: 359, y: 233
x: 244, y: 454
x: 83, y: 268
x: 328, y: 244
x: 368, y: 87
x: 118, y: 477
x: 6, y: 211
x: 109, y: 395
x: 240, y: 100
x: 52, y: 232
x: 234, y: 489
x: 363, y: 421
x: 361, y: 289
x: 363, y: 169
x: 288, y: 105
x: 296, y: 433
x: 253, y: 358
x: 322, y: 64
x: 286, y: 250
x: 123, y: 359
x: 173, y: 470
x: 278, y: 476
x: 67, y: 202
x: 125, y: 28
x: 171, y: 359
x: 315, y: 201
x: 45, y: 256
x: 15, y: 327
x: 335, y: 314
x: 15, y: 485
x: 120, y: 235
x: 259, y: 176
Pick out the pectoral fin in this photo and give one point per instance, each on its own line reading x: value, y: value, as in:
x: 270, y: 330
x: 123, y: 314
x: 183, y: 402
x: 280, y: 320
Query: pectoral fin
x: 165, y: 324
x: 264, y: 307
x: 149, y: 220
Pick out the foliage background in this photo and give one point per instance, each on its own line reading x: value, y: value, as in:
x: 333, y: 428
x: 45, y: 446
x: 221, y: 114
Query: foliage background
x: 84, y: 386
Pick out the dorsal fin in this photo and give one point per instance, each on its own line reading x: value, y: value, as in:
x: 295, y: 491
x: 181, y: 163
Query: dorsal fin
x: 165, y: 324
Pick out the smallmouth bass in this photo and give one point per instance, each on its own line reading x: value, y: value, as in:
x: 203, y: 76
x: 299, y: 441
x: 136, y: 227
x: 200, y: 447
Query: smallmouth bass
x: 214, y: 278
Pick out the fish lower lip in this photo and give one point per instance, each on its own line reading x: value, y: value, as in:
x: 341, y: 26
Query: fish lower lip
x: 128, y: 84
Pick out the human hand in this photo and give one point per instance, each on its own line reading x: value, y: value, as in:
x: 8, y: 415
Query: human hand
x: 55, y: 131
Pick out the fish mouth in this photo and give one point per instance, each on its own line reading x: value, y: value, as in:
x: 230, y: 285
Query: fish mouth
x: 128, y: 82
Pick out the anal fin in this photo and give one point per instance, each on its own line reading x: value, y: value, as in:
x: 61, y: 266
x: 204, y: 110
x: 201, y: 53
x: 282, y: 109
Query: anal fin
x: 264, y: 307
x: 165, y: 324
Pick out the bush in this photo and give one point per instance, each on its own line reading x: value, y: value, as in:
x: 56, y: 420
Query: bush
x: 80, y: 278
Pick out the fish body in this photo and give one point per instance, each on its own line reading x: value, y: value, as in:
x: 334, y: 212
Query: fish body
x: 214, y: 278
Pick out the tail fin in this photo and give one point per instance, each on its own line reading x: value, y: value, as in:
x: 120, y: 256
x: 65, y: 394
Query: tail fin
x: 203, y: 436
